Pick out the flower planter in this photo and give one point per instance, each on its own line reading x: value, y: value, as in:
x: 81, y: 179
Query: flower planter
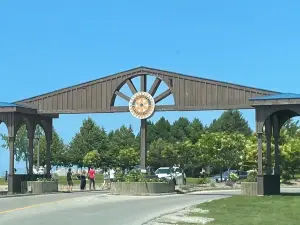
x: 249, y: 188
x: 39, y: 187
x: 141, y: 188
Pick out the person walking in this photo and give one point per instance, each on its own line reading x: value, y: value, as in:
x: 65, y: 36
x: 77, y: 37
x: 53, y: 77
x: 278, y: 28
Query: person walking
x: 111, y: 176
x: 69, y: 179
x: 6, y: 176
x: 106, y: 180
x: 92, y: 177
x: 82, y: 180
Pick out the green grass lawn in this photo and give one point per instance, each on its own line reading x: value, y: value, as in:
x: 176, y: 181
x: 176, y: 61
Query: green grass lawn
x: 192, y: 180
x: 241, y: 210
x: 2, y: 182
x: 63, y: 180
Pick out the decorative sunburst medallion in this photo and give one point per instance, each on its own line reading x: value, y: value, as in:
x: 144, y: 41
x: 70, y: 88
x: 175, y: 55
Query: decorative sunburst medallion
x: 142, y: 105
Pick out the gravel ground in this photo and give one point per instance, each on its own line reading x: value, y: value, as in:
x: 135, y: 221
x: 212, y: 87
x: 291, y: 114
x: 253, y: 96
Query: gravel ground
x: 182, y: 216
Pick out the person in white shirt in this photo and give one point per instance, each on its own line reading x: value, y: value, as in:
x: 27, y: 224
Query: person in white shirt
x: 111, y: 176
x: 106, y: 178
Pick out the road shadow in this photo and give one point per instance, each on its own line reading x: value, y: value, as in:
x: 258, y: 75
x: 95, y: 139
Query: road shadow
x: 290, y: 194
x: 215, y: 194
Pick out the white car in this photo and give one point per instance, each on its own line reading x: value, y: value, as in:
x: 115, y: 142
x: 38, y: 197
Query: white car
x: 174, y: 174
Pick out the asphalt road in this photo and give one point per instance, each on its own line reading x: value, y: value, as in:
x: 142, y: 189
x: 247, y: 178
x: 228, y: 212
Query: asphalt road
x: 97, y: 208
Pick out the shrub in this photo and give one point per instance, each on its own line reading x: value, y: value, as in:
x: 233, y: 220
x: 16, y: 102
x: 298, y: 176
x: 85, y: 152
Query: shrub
x: 202, y: 181
x: 136, y: 176
x: 252, y: 176
x: 233, y: 177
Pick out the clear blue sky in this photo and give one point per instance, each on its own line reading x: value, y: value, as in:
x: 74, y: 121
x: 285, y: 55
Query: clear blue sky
x: 46, y: 45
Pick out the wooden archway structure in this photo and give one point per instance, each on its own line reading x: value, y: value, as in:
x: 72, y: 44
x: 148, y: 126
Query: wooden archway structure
x: 190, y: 93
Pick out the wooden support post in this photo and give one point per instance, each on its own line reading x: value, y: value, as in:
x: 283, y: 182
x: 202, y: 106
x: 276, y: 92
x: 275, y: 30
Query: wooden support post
x: 276, y: 143
x: 11, y: 176
x: 268, y: 131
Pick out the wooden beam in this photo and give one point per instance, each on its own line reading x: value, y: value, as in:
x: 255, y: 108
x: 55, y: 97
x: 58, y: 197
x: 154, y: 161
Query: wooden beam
x: 131, y: 86
x: 154, y: 86
x: 120, y: 94
x: 119, y: 109
x: 162, y: 96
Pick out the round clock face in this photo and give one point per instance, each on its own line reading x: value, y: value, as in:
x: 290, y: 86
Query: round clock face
x: 142, y: 105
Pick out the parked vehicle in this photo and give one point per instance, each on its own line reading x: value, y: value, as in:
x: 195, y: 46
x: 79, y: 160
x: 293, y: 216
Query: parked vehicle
x: 172, y: 174
x: 149, y: 170
x: 149, y: 173
x: 225, y: 175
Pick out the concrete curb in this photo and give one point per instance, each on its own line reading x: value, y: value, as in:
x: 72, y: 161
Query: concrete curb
x: 51, y: 193
x: 181, y: 191
x: 158, y: 194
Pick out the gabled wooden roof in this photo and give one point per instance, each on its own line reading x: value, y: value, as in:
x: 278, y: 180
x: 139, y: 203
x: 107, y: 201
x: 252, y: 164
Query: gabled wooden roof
x: 189, y: 92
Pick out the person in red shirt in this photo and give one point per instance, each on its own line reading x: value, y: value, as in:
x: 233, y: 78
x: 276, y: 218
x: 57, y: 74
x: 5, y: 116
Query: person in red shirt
x: 92, y: 177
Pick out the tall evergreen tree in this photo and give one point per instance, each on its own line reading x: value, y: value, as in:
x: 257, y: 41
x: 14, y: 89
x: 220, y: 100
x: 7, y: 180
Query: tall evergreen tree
x: 231, y: 121
x: 121, y: 139
x: 180, y: 129
x: 90, y: 137
x: 195, y: 130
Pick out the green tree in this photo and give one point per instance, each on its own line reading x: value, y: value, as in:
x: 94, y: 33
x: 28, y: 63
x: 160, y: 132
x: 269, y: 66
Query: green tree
x: 292, y: 128
x: 207, y: 147
x: 21, y: 145
x: 128, y: 157
x: 58, y: 157
x: 186, y: 153
x: 90, y: 137
x: 223, y: 150
x: 232, y: 146
x: 249, y: 155
x: 58, y: 150
x: 92, y: 159
x: 180, y: 129
x: 160, y: 129
x: 122, y: 138
x: 290, y: 157
x: 169, y: 155
x: 155, y: 156
x: 231, y: 121
x: 195, y: 129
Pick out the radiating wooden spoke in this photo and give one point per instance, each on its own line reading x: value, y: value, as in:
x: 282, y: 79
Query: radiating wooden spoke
x: 141, y: 105
x: 120, y: 94
x: 162, y: 96
x: 143, y: 83
x: 154, y: 86
x: 131, y: 86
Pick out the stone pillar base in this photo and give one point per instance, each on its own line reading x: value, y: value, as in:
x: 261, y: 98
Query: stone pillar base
x: 268, y: 184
